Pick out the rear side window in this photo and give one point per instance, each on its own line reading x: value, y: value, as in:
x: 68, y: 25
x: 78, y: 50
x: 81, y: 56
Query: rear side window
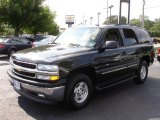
x: 130, y: 37
x: 143, y: 36
x: 16, y: 40
x: 24, y: 40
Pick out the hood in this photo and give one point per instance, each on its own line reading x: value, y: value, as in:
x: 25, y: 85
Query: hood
x: 49, y: 53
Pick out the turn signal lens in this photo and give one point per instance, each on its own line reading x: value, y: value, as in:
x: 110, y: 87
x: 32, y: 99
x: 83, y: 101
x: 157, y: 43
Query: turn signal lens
x: 54, y: 78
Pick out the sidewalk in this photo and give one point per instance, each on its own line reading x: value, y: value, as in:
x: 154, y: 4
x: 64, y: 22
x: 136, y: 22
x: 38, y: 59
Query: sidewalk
x: 4, y: 60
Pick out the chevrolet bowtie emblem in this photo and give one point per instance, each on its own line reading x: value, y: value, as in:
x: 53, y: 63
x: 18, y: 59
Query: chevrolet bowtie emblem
x: 19, y: 69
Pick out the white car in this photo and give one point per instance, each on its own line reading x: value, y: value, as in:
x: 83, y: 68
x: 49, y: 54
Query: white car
x: 45, y: 41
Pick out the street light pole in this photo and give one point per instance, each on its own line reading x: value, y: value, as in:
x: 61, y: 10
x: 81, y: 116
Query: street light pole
x: 143, y: 14
x: 110, y: 7
x: 91, y: 21
x: 98, y: 18
x: 107, y: 8
x: 85, y: 22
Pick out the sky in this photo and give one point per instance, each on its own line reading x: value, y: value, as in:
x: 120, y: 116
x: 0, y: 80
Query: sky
x: 84, y: 9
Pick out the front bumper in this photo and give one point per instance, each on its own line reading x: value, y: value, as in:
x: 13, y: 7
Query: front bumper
x: 41, y: 93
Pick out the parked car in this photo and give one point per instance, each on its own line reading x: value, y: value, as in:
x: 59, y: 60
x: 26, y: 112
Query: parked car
x: 156, y: 47
x: 9, y: 46
x: 158, y: 54
x: 81, y: 60
x: 45, y: 41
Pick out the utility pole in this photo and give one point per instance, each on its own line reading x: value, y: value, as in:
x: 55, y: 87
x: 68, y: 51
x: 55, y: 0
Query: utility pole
x: 107, y: 9
x: 110, y: 7
x: 98, y: 18
x: 91, y: 21
x: 85, y: 22
x: 143, y: 14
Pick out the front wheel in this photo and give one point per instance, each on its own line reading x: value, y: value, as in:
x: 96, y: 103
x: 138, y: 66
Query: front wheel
x: 78, y: 91
x: 142, y: 73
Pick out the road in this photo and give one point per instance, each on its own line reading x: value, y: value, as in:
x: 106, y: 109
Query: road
x: 126, y: 101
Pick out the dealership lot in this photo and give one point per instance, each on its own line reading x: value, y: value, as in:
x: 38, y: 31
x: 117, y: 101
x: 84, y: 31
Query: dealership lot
x: 127, y: 101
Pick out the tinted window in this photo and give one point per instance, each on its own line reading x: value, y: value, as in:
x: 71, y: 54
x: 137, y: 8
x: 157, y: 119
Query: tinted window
x: 114, y: 35
x: 16, y: 40
x: 23, y: 40
x: 130, y: 37
x: 143, y: 36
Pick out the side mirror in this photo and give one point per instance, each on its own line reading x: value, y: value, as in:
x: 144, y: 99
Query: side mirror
x: 109, y: 45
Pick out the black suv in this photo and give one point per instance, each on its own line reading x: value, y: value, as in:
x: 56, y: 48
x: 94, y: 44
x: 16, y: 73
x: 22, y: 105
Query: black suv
x: 81, y: 60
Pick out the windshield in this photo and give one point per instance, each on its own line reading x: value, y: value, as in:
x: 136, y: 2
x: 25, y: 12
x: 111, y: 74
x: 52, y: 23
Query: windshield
x: 78, y: 36
x: 3, y: 40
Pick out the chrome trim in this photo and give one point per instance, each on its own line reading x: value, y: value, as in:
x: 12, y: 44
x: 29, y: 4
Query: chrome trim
x: 114, y: 70
x: 13, y: 76
x: 42, y: 90
x: 22, y: 74
x: 24, y: 62
x: 54, y: 93
x: 132, y: 65
x: 29, y: 70
x: 34, y: 70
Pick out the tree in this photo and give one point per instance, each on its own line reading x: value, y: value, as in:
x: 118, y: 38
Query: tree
x: 155, y: 30
x: 114, y: 20
x: 147, y: 23
x: 43, y: 22
x: 135, y: 22
x: 22, y: 14
x: 156, y: 26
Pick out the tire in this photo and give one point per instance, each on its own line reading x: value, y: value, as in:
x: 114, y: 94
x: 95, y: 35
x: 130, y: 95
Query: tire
x: 12, y: 51
x: 142, y: 73
x: 78, y: 91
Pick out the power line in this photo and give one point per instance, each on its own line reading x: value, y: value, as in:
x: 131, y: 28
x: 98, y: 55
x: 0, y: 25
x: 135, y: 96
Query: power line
x: 152, y: 7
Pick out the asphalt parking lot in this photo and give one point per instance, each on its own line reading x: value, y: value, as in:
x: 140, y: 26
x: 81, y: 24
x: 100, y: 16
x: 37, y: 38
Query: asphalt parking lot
x: 126, y: 101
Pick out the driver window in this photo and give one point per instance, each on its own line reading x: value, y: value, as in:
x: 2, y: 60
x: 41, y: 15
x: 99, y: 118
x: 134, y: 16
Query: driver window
x: 114, y: 35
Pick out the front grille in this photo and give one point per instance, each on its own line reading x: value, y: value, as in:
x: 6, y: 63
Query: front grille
x: 23, y: 64
x: 24, y: 74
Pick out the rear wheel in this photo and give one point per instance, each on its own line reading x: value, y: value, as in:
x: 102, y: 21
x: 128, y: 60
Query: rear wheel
x: 78, y: 91
x: 12, y: 51
x: 142, y: 73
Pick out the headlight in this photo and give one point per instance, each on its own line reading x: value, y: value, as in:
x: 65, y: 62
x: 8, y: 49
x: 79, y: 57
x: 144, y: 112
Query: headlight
x: 52, y: 76
x: 51, y: 68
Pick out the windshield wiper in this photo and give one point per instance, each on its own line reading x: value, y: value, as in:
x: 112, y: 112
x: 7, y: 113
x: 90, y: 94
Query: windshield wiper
x: 55, y: 43
x: 77, y: 45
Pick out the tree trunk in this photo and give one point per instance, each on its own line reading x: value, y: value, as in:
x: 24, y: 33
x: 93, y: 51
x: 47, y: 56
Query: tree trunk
x: 17, y: 31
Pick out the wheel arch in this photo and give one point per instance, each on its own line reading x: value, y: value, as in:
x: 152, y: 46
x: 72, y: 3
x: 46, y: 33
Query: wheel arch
x: 147, y: 59
x: 12, y: 48
x: 87, y: 70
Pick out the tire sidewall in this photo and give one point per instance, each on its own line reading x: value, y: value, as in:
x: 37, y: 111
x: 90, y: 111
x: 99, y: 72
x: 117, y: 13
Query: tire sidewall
x: 143, y: 63
x: 77, y: 78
